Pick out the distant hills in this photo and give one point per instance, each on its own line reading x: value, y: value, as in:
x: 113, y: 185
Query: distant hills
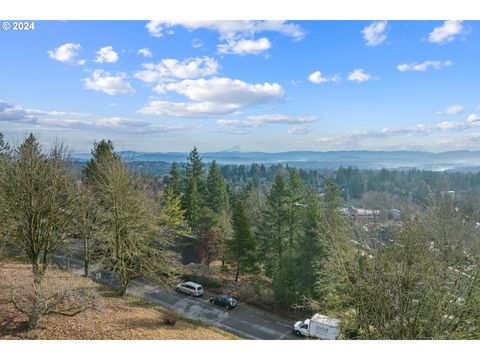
x: 461, y: 160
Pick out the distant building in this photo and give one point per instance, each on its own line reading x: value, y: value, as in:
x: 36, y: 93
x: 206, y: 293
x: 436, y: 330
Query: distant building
x: 364, y: 213
x: 450, y: 193
x: 353, y: 211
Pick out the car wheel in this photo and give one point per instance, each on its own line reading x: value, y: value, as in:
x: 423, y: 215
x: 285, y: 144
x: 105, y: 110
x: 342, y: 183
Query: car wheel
x: 211, y: 301
x: 177, y: 289
x: 297, y: 332
x: 227, y: 307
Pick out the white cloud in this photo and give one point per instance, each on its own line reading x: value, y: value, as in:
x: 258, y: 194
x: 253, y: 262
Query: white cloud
x: 227, y: 91
x: 65, y: 53
x: 230, y: 29
x: 106, y: 54
x: 424, y: 130
x: 11, y: 112
x: 281, y: 119
x: 455, y: 109
x: 359, y: 75
x: 81, y: 62
x: 473, y: 118
x: 184, y: 109
x: 171, y: 69
x: 80, y: 121
x: 214, y: 96
x: 296, y: 130
x: 317, y: 78
x: 145, y: 52
x: 452, y: 110
x: 245, y: 46
x: 447, y: 32
x: 109, y: 84
x: 435, y: 64
x: 374, y: 34
x: 260, y: 120
x: 236, y: 123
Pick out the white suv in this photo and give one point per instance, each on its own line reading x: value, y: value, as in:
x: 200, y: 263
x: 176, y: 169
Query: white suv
x: 190, y: 288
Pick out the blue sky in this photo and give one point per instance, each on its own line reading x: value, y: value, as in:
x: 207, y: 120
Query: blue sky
x: 268, y: 86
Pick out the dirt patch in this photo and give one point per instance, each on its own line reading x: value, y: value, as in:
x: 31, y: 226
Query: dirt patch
x: 122, y: 319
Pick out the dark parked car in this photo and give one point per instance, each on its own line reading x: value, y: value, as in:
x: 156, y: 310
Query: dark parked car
x: 226, y: 301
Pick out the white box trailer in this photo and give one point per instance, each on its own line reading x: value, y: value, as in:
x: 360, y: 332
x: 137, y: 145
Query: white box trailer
x: 319, y: 326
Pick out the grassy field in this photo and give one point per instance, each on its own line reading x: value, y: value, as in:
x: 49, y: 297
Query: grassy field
x: 119, y: 318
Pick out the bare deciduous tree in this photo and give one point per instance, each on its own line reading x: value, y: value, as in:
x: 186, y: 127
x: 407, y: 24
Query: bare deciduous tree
x: 58, y: 293
x: 38, y: 207
x: 87, y: 223
x: 424, y: 286
x: 130, y: 227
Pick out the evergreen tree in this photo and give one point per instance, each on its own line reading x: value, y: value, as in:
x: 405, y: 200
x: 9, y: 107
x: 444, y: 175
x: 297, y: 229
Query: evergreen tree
x: 174, y: 181
x: 335, y: 235
x: 296, y: 200
x: 172, y: 216
x: 102, y: 151
x: 273, y: 231
x: 285, y: 281
x: 241, y: 247
x: 312, y: 247
x: 192, y: 200
x: 231, y: 197
x: 216, y: 193
x: 225, y: 232
x: 253, y: 205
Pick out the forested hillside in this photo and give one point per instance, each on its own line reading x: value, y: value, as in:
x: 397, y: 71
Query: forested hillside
x: 299, y: 240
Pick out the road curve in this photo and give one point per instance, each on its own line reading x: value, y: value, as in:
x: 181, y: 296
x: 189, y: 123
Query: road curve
x: 245, y: 321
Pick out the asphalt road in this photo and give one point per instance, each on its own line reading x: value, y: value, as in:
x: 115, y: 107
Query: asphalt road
x: 245, y: 321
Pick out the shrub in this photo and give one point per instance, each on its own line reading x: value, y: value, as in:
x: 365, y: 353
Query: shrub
x: 204, y: 280
x: 170, y: 319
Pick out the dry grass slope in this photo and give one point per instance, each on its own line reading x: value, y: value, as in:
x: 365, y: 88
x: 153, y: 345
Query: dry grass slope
x: 120, y: 319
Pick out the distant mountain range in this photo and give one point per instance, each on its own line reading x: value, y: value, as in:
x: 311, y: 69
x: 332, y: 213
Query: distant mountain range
x: 461, y: 160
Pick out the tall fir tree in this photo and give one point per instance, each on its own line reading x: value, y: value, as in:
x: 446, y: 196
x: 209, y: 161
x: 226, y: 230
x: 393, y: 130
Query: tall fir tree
x: 296, y: 202
x: 312, y: 248
x: 273, y: 232
x: 102, y: 151
x: 174, y: 181
x: 216, y: 192
x: 241, y: 247
x: 253, y: 205
x: 335, y: 236
x: 194, y: 187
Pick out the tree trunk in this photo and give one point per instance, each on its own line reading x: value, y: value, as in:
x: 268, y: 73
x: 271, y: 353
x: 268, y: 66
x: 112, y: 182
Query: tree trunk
x: 123, y: 290
x: 123, y: 281
x: 36, y: 310
x: 86, y: 255
x: 238, y: 271
x: 34, y: 316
